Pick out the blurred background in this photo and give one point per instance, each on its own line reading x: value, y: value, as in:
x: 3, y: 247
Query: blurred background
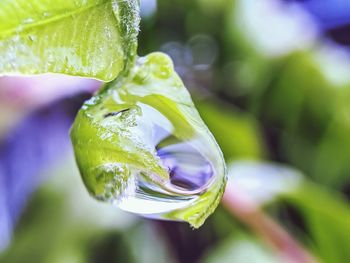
x: 271, y: 78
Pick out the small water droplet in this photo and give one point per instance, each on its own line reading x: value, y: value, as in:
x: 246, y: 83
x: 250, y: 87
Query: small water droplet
x: 28, y: 20
x: 46, y: 14
x: 163, y: 72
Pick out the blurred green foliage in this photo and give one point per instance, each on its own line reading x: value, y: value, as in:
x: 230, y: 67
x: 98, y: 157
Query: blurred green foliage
x: 280, y: 108
x: 327, y: 218
x: 237, y: 133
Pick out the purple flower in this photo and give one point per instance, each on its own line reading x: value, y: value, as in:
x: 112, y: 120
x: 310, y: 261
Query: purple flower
x: 33, y: 146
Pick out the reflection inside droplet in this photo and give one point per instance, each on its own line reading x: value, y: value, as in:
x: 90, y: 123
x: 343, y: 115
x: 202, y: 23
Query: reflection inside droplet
x: 189, y: 171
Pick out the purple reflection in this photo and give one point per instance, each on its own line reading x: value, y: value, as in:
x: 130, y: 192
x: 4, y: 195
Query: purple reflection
x: 188, y: 169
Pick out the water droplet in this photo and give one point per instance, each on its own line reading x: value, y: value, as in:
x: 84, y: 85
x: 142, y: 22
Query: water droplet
x: 28, y: 20
x: 46, y: 14
x: 143, y: 147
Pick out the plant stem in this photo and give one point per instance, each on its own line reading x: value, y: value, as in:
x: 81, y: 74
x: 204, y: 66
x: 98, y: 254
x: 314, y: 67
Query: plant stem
x: 241, y: 207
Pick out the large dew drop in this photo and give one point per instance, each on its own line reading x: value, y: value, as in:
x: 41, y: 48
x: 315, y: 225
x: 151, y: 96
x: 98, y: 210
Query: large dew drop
x: 141, y: 144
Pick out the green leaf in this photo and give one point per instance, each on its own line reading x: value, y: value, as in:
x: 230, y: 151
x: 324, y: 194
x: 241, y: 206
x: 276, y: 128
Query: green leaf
x: 141, y: 131
x: 90, y: 38
x: 327, y: 216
